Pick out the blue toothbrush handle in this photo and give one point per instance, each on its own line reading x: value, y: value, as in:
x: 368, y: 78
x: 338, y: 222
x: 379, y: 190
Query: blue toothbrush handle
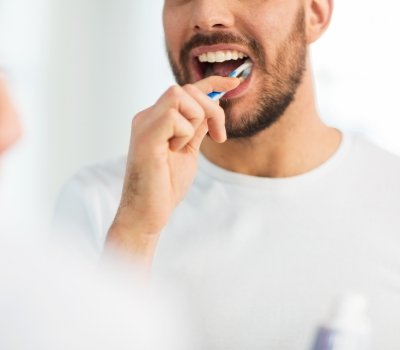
x: 214, y: 94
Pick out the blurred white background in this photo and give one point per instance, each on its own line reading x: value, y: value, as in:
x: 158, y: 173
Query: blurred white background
x: 80, y: 69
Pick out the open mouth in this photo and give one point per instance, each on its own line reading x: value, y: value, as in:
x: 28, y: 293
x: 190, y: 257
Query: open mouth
x: 220, y: 63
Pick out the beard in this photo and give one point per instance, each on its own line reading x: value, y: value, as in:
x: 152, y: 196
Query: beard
x: 279, y: 80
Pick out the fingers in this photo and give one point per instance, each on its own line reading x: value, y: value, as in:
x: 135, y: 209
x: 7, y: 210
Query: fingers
x: 177, y: 98
x: 199, y: 135
x: 182, y: 130
x: 216, y: 83
x: 213, y: 113
x: 185, y: 114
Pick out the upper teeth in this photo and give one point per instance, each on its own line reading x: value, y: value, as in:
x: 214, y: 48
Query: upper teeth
x: 221, y: 56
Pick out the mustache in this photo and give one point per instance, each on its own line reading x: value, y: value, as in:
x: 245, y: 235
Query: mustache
x: 221, y: 38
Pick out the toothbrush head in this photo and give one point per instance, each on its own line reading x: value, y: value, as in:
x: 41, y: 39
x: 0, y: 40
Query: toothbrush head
x: 238, y: 72
x: 245, y: 73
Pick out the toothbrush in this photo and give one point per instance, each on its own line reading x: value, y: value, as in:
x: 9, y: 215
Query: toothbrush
x: 243, y: 71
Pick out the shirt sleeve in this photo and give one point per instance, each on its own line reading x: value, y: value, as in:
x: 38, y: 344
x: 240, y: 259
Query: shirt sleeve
x: 76, y: 220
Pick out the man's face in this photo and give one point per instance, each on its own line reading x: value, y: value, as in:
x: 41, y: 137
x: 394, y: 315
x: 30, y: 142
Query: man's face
x: 271, y: 33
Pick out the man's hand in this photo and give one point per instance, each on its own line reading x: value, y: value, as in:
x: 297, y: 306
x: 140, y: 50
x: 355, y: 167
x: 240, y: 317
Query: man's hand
x: 162, y: 161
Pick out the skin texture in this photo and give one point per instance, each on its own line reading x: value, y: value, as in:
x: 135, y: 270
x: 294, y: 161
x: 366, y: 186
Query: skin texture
x: 167, y: 137
x: 10, y: 129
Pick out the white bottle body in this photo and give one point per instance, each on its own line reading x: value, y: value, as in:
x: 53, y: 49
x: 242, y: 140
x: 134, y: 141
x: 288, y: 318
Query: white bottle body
x: 330, y: 339
x: 347, y: 328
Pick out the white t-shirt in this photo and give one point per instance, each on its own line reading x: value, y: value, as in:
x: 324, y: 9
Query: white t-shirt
x: 261, y: 259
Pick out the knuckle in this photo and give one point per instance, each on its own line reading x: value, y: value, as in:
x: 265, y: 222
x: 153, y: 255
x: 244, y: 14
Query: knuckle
x: 134, y: 122
x: 136, y: 119
x: 198, y: 110
x: 174, y: 91
x: 142, y: 114
x: 190, y: 88
x: 201, y: 114
x: 140, y: 117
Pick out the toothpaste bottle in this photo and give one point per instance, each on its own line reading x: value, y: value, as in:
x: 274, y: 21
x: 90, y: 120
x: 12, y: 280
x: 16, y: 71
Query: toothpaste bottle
x: 348, y: 326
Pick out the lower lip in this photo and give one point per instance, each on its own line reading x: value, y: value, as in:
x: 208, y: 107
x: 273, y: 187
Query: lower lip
x: 240, y: 90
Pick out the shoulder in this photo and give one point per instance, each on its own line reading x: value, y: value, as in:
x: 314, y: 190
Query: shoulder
x: 373, y: 172
x: 373, y: 158
x: 88, y: 201
x: 97, y: 185
x: 109, y: 174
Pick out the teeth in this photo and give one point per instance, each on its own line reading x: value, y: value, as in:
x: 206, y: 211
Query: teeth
x: 221, y: 56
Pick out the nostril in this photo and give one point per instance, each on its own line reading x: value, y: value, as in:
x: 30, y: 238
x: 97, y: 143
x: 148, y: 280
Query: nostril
x: 213, y: 26
x: 206, y: 19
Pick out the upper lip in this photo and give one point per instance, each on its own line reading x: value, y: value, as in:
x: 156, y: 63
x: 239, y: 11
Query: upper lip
x: 219, y: 47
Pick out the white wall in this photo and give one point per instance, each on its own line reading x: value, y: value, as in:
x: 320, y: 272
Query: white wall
x: 80, y: 69
x: 358, y: 72
x: 106, y: 63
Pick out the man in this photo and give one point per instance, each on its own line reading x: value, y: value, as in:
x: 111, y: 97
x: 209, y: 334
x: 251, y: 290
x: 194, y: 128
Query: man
x: 264, y: 212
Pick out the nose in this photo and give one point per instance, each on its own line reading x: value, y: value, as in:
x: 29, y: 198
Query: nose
x: 209, y: 15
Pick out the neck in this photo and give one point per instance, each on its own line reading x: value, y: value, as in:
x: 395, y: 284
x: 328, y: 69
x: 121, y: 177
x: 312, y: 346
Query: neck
x: 297, y: 143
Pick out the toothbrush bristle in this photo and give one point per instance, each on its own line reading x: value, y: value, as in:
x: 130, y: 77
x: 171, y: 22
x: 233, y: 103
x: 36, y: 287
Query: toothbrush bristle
x: 246, y: 72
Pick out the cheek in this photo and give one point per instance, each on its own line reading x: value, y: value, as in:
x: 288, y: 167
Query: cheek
x: 270, y: 29
x: 174, y: 31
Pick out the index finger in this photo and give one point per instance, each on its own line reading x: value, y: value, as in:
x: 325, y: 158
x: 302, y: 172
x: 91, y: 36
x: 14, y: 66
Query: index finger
x: 217, y: 83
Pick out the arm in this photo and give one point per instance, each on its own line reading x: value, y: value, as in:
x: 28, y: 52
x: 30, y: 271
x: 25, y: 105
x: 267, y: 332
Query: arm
x: 162, y: 162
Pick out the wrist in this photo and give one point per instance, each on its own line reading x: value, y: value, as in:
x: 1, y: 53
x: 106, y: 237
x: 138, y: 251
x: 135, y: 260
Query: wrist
x: 126, y: 234
x: 132, y: 221
x: 132, y: 242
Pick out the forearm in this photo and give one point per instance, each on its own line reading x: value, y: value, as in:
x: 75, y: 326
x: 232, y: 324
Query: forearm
x: 132, y: 244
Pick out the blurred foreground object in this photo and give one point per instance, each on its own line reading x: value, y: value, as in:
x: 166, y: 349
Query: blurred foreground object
x: 50, y: 300
x: 10, y: 128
